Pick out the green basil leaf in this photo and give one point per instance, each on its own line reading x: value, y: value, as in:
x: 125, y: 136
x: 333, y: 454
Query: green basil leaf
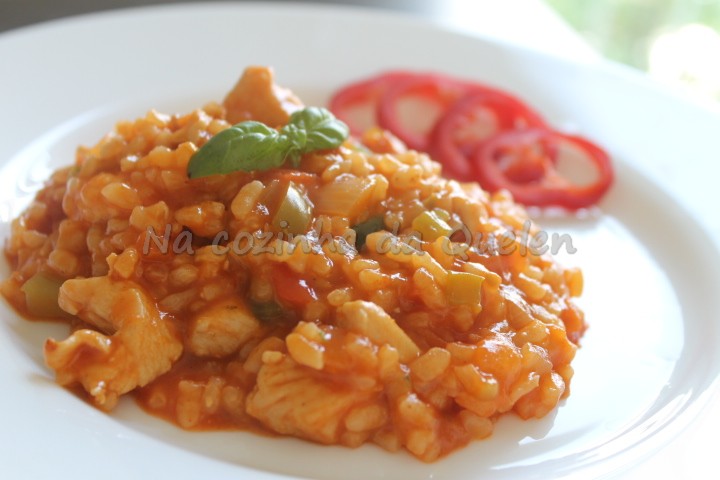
x: 246, y: 146
x: 323, y: 131
x: 250, y: 146
x: 298, y: 138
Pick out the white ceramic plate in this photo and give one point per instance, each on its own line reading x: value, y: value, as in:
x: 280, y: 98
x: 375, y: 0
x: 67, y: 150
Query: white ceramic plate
x: 648, y: 362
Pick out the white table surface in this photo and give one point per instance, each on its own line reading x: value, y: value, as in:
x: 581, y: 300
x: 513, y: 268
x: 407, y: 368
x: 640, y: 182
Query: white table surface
x: 692, y: 454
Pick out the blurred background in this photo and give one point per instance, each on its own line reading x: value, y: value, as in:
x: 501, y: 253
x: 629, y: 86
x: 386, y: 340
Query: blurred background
x: 675, y: 41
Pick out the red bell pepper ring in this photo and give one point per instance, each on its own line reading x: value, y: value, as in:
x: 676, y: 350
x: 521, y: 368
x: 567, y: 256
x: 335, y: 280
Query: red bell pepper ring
x: 362, y: 94
x: 472, y: 120
x: 521, y: 161
x: 382, y: 94
x: 440, y: 90
x: 477, y: 118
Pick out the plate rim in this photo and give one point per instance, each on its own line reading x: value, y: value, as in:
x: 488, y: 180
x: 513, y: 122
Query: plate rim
x: 68, y: 22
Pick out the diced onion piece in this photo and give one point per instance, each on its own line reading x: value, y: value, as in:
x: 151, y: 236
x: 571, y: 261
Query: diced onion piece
x: 346, y: 196
x: 369, y: 319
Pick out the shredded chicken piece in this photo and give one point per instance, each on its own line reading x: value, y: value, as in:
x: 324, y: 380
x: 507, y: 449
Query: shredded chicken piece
x: 222, y: 329
x: 289, y: 401
x: 256, y: 97
x: 142, y: 345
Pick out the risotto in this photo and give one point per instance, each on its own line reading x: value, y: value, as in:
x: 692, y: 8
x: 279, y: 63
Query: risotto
x: 360, y: 297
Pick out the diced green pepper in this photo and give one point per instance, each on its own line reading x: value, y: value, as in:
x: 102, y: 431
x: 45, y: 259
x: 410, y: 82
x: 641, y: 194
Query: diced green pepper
x: 41, y: 295
x: 431, y: 225
x: 363, y: 229
x: 464, y: 288
x: 294, y: 212
x: 268, y: 312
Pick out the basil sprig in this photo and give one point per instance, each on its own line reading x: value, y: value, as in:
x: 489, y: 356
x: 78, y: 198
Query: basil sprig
x: 252, y: 145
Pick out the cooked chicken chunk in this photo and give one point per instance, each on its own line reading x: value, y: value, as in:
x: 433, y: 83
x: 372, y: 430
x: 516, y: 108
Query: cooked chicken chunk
x: 290, y: 400
x: 142, y: 344
x: 222, y: 329
x: 256, y: 97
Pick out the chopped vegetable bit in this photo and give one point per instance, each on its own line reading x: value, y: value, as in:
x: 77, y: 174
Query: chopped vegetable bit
x: 41, y: 295
x: 363, y: 229
x: 431, y: 225
x: 346, y: 196
x: 464, y: 288
x: 382, y: 141
x: 268, y: 312
x: 294, y: 212
x: 290, y: 289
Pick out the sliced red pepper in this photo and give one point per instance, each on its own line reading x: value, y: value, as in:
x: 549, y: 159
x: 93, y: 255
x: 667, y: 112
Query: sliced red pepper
x: 472, y: 116
x: 291, y: 289
x: 499, y: 161
x: 362, y: 94
x: 472, y: 120
x: 440, y: 90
